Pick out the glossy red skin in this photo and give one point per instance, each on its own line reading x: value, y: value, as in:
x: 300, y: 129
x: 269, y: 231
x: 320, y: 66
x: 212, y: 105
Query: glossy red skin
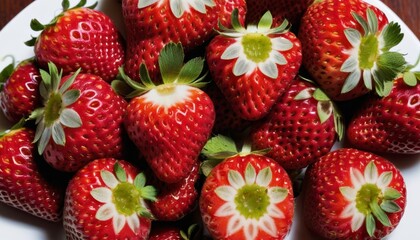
x: 293, y: 131
x: 21, y: 183
x: 82, y: 38
x: 324, y: 43
x: 165, y: 233
x: 390, y: 124
x: 171, y: 139
x: 149, y: 29
x: 251, y: 95
x: 209, y: 202
x: 80, y: 207
x: 20, y: 95
x: 323, y: 202
x: 102, y: 132
x: 292, y: 10
x: 175, y: 200
x: 225, y: 11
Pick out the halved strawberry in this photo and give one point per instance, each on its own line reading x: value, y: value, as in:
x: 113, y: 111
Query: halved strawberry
x: 352, y: 194
x: 171, y: 122
x: 108, y: 198
x: 79, y: 37
x: 19, y: 94
x: 22, y: 182
x: 81, y: 120
x: 246, y: 196
x: 347, y: 48
x: 253, y: 66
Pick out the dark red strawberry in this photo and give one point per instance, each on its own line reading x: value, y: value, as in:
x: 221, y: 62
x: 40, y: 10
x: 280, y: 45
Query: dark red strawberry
x: 389, y: 124
x: 301, y: 127
x: 175, y: 200
x: 108, y: 198
x: 81, y: 120
x: 253, y: 66
x: 351, y: 194
x: 80, y: 37
x: 22, y: 183
x: 171, y: 232
x: 19, y: 94
x: 347, y: 48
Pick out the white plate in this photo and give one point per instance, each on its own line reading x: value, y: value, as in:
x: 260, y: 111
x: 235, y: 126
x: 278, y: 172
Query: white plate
x: 16, y: 225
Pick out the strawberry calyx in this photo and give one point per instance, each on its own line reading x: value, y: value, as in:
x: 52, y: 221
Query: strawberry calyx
x: 220, y: 147
x: 256, y: 46
x: 325, y: 107
x: 370, y: 198
x: 173, y: 71
x: 411, y: 78
x: 20, y: 124
x: 192, y: 229
x: 179, y: 7
x: 123, y: 198
x: 55, y: 114
x: 370, y: 59
x: 7, y: 71
x: 65, y: 4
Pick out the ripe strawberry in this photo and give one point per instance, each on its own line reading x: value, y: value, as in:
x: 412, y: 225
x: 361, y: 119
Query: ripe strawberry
x: 347, y: 48
x: 107, y: 199
x: 171, y: 232
x: 253, y: 66
x: 301, y: 127
x: 171, y: 122
x: 150, y: 25
x: 292, y: 10
x: 175, y: 200
x: 79, y: 37
x: 351, y: 194
x: 19, y: 94
x: 22, y: 185
x: 81, y: 120
x: 389, y: 124
x: 246, y: 196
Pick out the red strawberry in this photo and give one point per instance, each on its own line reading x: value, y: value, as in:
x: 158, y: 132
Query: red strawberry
x: 22, y: 185
x: 292, y: 10
x: 351, y: 194
x: 253, y: 66
x: 81, y: 120
x: 347, y: 48
x: 80, y: 37
x: 150, y: 25
x: 247, y: 196
x: 19, y: 94
x: 170, y: 232
x: 175, y: 200
x: 389, y: 124
x: 171, y: 122
x: 301, y: 127
x: 107, y: 199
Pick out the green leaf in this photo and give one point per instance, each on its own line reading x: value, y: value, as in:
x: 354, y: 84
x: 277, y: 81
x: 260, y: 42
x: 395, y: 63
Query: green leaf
x: 208, y: 165
x: 69, y: 81
x: 324, y: 110
x: 70, y: 118
x: 391, y: 194
x: 36, y: 25
x: 65, y: 4
x: 410, y: 79
x: 390, y: 64
x: 351, y: 82
x: 171, y: 60
x: 362, y: 22
x: 392, y: 36
x: 149, y: 193
x: 320, y: 95
x: 140, y: 181
x: 191, y: 70
x: 370, y: 224
x: 30, y: 42
x: 390, y: 206
x: 265, y: 22
x: 353, y: 36
x: 6, y: 72
x: 379, y: 214
x: 121, y: 87
x: 304, y: 94
x: 120, y: 172
x: 372, y: 20
x: 219, y: 144
x: 235, y: 20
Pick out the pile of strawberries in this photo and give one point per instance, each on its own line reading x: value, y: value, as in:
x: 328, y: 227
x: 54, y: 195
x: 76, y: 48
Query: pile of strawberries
x: 209, y: 113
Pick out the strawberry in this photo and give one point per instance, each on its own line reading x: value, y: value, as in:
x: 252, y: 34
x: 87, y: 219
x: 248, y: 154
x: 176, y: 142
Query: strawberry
x: 150, y: 25
x: 301, y: 127
x: 253, y: 66
x: 79, y: 37
x: 22, y: 182
x: 347, y: 48
x: 107, y: 199
x: 19, y: 94
x: 246, y: 196
x: 171, y: 232
x: 171, y: 122
x: 292, y: 10
x: 175, y: 200
x: 352, y: 194
x: 81, y: 119
x: 388, y: 124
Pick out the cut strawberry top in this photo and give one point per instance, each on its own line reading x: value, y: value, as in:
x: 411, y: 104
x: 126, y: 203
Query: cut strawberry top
x: 178, y: 7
